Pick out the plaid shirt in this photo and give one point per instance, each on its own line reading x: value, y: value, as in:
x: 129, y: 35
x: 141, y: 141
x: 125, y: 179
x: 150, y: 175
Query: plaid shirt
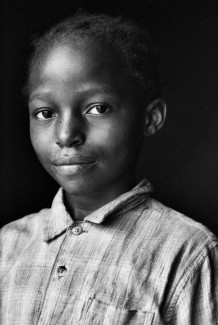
x: 133, y: 261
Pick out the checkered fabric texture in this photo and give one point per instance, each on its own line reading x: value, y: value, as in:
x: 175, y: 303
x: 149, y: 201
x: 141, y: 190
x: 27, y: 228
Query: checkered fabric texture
x: 133, y: 261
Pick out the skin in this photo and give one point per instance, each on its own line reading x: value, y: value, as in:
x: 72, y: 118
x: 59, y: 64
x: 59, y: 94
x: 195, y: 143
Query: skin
x: 86, y: 124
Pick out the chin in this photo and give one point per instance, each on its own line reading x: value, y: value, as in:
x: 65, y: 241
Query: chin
x: 79, y: 187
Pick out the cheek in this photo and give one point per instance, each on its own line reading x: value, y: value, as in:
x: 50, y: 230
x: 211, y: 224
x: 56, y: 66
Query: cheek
x: 35, y: 139
x: 117, y: 140
x: 40, y: 143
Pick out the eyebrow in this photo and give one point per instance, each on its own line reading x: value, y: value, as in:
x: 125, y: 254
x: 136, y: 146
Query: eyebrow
x: 38, y: 94
x: 102, y: 89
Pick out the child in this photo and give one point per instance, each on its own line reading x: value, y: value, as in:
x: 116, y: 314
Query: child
x: 105, y: 252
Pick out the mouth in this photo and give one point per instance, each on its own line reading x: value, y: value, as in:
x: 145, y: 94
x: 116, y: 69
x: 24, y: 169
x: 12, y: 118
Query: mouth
x: 72, y: 166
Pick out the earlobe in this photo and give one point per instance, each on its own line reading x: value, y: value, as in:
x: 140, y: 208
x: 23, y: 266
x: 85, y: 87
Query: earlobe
x: 154, y: 116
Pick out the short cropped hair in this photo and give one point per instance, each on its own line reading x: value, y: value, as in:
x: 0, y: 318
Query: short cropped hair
x: 133, y: 43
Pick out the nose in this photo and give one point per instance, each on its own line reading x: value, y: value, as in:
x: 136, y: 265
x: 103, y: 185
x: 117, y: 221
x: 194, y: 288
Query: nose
x: 69, y: 131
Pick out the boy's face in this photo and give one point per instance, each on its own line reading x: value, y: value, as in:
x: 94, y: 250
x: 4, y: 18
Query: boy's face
x: 85, y: 122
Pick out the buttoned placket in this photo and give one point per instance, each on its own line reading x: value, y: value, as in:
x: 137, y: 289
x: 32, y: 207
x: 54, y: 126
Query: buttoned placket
x: 74, y: 233
x: 76, y: 229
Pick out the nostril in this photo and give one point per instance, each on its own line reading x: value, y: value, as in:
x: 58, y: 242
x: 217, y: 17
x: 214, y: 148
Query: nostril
x: 70, y: 138
x: 70, y: 129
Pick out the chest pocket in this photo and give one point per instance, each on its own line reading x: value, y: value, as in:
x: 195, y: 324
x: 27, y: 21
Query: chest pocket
x: 100, y: 313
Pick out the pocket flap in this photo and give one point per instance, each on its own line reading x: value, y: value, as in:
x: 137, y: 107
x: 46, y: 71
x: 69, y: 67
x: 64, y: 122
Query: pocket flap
x: 100, y: 313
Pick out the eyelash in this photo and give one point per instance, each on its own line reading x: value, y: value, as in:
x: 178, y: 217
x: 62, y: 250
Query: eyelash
x: 43, y: 111
x: 87, y: 112
x: 99, y: 105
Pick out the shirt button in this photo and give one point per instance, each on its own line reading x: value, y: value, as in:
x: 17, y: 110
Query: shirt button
x: 61, y: 271
x: 77, y: 230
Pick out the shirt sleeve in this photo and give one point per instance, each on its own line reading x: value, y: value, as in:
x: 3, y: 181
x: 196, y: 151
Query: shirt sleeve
x: 197, y: 300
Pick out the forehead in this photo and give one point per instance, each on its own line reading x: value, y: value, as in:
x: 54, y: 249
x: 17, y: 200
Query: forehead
x: 78, y: 62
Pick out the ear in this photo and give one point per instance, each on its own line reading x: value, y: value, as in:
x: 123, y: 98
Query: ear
x: 155, y: 116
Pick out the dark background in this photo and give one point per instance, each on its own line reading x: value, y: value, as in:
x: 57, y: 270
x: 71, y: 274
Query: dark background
x: 181, y: 161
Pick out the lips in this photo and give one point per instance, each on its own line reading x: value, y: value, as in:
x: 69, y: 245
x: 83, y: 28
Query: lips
x: 73, y: 165
x: 72, y: 161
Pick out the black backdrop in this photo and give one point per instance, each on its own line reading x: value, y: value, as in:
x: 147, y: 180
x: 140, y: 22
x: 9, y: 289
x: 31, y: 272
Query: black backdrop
x: 181, y: 161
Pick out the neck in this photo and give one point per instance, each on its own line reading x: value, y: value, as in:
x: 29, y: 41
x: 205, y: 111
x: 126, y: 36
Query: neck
x: 79, y: 206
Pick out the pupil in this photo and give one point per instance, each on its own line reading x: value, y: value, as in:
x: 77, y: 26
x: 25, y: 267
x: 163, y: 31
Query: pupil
x: 46, y: 114
x: 101, y: 109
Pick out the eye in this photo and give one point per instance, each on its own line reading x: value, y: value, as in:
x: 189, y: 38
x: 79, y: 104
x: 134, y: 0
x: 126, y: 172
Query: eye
x: 45, y: 114
x: 98, y: 110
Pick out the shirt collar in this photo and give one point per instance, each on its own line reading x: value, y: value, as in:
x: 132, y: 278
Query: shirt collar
x: 59, y: 219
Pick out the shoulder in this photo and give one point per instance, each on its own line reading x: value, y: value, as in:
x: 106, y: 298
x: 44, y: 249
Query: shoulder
x: 26, y: 224
x: 176, y: 227
x: 178, y: 244
x: 15, y: 235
